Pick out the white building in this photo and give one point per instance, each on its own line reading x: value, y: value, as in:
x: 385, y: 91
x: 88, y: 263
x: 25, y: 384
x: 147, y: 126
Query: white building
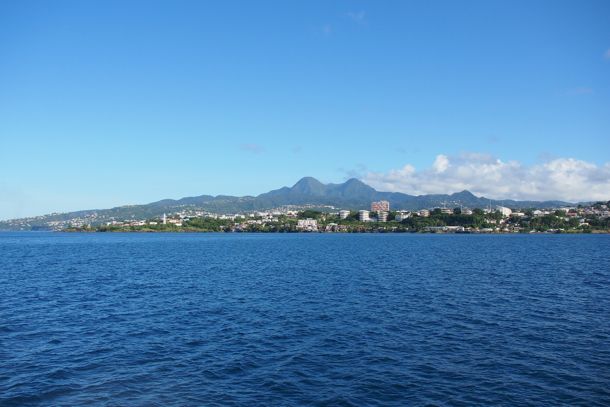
x: 382, y: 216
x: 363, y: 216
x: 504, y: 211
x: 343, y: 214
x: 466, y: 212
x: 400, y: 216
x: 424, y: 213
x: 307, y: 224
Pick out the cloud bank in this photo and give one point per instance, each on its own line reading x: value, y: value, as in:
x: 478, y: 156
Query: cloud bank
x: 565, y: 179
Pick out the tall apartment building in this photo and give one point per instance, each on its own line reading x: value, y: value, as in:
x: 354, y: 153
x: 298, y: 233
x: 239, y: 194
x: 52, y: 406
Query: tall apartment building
x: 363, y: 216
x: 382, y: 216
x: 380, y: 206
x: 343, y: 214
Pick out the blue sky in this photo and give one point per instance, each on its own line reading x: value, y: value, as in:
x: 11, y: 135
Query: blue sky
x: 104, y: 103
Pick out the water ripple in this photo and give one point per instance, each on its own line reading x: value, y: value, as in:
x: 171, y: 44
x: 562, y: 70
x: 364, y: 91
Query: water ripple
x: 323, y: 320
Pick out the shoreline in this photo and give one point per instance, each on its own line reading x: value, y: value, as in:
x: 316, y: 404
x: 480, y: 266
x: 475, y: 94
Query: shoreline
x: 592, y: 232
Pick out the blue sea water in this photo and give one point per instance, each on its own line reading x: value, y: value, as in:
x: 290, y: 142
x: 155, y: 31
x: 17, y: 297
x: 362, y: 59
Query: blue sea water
x: 304, y: 319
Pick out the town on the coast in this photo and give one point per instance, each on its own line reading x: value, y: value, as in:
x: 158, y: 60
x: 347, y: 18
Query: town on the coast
x: 378, y: 218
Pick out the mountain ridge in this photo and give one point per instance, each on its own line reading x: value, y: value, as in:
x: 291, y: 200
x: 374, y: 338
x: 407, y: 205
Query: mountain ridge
x: 352, y: 194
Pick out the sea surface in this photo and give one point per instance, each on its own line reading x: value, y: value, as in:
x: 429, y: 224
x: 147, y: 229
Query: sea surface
x: 304, y: 319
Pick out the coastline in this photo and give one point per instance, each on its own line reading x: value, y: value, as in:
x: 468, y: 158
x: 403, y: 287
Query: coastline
x: 179, y: 232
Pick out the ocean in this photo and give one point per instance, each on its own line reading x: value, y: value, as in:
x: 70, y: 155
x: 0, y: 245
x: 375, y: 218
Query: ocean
x: 157, y: 319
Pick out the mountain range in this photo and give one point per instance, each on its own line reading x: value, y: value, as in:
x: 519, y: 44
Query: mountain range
x: 352, y: 194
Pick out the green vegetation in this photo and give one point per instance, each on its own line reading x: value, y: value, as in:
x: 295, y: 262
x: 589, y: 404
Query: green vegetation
x: 559, y: 221
x: 306, y: 214
x: 207, y: 224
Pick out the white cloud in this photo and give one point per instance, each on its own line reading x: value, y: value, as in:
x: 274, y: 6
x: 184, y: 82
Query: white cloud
x: 561, y: 178
x: 607, y: 54
x: 441, y: 163
x: 359, y: 17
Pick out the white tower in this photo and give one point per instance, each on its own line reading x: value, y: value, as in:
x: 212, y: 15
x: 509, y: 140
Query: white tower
x: 164, y: 219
